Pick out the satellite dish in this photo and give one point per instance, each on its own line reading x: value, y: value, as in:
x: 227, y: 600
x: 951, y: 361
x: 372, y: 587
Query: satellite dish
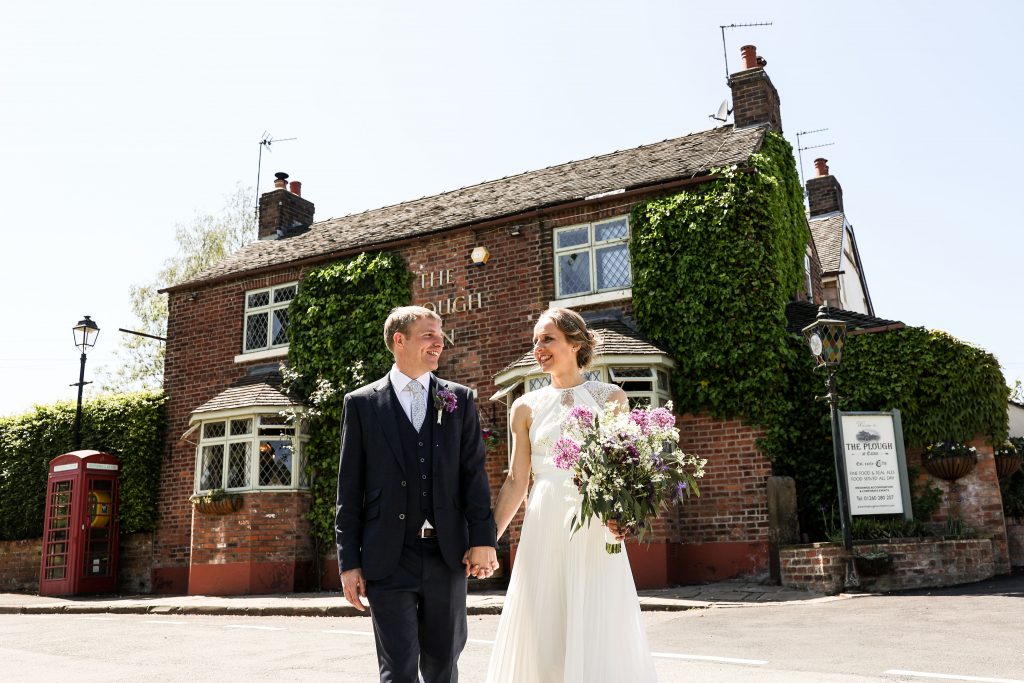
x: 723, y: 112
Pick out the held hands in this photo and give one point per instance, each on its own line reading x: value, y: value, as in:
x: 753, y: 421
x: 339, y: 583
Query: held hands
x: 481, y: 561
x: 354, y: 586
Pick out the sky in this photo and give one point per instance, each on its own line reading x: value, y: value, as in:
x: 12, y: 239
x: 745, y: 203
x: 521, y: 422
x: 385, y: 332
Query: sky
x: 121, y: 120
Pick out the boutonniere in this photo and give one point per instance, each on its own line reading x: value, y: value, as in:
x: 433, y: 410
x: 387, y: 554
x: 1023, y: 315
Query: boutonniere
x: 445, y: 401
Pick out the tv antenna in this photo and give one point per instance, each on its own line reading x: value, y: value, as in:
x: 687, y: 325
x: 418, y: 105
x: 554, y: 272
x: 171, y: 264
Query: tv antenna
x: 266, y: 140
x: 800, y: 148
x: 725, y: 52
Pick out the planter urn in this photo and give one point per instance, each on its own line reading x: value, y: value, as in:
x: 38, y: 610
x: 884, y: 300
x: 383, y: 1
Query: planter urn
x: 950, y: 467
x: 1007, y: 464
x: 221, y: 506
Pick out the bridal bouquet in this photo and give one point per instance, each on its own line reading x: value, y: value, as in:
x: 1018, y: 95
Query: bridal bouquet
x: 627, y: 465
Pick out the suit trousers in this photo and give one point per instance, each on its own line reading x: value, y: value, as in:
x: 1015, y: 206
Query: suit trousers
x: 419, y: 616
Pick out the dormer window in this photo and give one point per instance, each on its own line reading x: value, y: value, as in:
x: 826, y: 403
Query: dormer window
x: 266, y: 317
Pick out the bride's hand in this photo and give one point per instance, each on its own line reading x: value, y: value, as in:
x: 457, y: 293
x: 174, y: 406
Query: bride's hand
x: 619, y: 532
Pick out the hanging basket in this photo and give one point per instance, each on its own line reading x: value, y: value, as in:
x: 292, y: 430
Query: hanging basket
x: 950, y: 467
x: 221, y: 506
x: 1007, y: 464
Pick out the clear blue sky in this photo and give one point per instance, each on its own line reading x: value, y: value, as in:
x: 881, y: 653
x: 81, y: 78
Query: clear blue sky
x: 119, y: 120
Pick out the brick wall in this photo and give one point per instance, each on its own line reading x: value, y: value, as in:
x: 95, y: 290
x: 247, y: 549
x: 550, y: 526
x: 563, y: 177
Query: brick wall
x: 264, y: 547
x: 204, y: 334
x: 975, y: 499
x: 927, y: 563
x: 20, y: 560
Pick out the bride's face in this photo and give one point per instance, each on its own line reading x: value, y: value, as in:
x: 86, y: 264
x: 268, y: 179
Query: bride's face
x: 551, y: 349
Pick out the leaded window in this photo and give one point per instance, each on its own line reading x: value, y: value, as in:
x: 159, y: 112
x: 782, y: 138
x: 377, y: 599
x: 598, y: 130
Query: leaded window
x: 593, y: 257
x: 252, y: 452
x: 266, y: 317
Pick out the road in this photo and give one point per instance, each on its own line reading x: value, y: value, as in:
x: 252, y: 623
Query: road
x: 956, y: 634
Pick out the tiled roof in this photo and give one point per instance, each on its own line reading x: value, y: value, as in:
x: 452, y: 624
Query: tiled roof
x: 617, y: 339
x: 262, y: 390
x: 648, y: 165
x: 800, y: 314
x: 827, y: 233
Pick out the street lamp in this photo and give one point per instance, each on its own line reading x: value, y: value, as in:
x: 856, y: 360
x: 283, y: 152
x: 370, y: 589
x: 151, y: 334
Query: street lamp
x: 826, y: 339
x: 85, y: 333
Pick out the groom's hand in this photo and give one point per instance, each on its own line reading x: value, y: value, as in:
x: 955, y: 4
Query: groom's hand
x: 355, y: 587
x: 481, y: 561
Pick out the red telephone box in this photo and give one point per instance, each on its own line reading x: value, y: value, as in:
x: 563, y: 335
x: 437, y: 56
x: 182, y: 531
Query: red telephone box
x: 80, y: 530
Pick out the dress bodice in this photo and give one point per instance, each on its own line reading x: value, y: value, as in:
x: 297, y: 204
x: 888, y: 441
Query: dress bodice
x: 547, y: 406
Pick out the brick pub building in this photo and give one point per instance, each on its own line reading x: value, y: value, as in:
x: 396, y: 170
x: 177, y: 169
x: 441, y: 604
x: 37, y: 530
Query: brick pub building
x: 557, y: 236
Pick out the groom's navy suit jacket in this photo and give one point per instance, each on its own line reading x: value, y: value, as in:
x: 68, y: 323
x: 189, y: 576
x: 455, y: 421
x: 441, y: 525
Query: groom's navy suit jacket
x: 375, y: 514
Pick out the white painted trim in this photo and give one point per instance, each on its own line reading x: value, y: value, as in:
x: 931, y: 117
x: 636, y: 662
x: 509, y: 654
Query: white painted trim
x: 654, y: 360
x: 245, y: 411
x: 588, y: 299
x: 279, y: 352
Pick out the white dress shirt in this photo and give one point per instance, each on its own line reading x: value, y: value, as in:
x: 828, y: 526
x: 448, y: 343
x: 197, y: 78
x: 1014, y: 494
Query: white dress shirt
x: 399, y: 381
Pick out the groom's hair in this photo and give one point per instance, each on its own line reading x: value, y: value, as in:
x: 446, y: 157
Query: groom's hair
x: 401, y: 319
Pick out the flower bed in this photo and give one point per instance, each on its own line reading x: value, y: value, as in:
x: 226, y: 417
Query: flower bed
x: 913, y: 563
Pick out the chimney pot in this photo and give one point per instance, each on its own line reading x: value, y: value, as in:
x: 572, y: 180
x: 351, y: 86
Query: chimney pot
x: 821, y: 165
x: 296, y: 188
x: 281, y: 181
x: 750, y: 59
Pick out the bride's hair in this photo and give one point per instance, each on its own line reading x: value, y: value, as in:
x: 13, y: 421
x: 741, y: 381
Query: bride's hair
x: 575, y: 329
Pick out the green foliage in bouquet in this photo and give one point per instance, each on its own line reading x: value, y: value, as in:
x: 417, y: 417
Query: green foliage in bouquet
x: 626, y: 465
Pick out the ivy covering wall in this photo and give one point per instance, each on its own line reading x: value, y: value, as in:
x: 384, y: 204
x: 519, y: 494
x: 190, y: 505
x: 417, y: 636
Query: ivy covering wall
x: 336, y: 344
x: 130, y: 426
x: 714, y: 268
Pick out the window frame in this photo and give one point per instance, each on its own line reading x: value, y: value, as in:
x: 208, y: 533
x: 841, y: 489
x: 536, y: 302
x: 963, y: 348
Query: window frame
x: 659, y: 394
x: 299, y: 437
x: 268, y: 311
x: 591, y: 247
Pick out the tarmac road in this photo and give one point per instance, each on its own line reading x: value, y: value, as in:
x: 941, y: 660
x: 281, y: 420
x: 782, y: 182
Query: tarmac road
x: 969, y: 633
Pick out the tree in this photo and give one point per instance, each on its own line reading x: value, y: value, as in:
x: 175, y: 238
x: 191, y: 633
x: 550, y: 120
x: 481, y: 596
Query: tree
x: 205, y: 240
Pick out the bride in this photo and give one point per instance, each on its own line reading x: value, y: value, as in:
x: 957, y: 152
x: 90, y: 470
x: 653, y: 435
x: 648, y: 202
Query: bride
x: 571, y: 612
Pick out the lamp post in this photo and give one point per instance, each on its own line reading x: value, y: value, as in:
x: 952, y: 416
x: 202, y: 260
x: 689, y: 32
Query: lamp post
x: 85, y: 333
x: 826, y: 339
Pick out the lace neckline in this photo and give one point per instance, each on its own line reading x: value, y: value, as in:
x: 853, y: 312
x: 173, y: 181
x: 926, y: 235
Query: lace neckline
x: 565, y: 390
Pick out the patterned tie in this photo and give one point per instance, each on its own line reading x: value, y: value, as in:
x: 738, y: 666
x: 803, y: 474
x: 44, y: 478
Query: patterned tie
x: 419, y: 406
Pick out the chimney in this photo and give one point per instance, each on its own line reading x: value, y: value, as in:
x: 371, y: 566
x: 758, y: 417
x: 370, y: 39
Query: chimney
x: 754, y: 99
x: 824, y: 193
x: 282, y: 209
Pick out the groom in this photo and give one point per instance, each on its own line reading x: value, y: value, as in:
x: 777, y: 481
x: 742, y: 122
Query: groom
x: 414, y: 505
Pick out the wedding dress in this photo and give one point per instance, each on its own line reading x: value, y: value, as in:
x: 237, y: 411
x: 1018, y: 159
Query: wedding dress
x: 571, y: 613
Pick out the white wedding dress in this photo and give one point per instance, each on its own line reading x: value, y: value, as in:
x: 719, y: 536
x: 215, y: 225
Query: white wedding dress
x: 571, y: 613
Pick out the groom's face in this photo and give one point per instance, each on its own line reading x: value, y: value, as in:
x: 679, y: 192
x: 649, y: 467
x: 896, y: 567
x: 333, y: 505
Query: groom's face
x: 420, y: 350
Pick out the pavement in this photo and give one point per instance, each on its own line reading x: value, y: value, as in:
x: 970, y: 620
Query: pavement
x: 333, y: 604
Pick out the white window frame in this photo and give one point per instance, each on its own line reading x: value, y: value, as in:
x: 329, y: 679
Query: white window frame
x: 809, y: 284
x: 254, y: 438
x: 591, y: 247
x: 660, y: 377
x: 268, y: 310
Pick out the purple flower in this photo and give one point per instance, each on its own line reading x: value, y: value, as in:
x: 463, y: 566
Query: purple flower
x: 680, y: 490
x: 445, y: 400
x: 566, y: 453
x: 642, y: 419
x: 582, y: 416
x: 662, y: 419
